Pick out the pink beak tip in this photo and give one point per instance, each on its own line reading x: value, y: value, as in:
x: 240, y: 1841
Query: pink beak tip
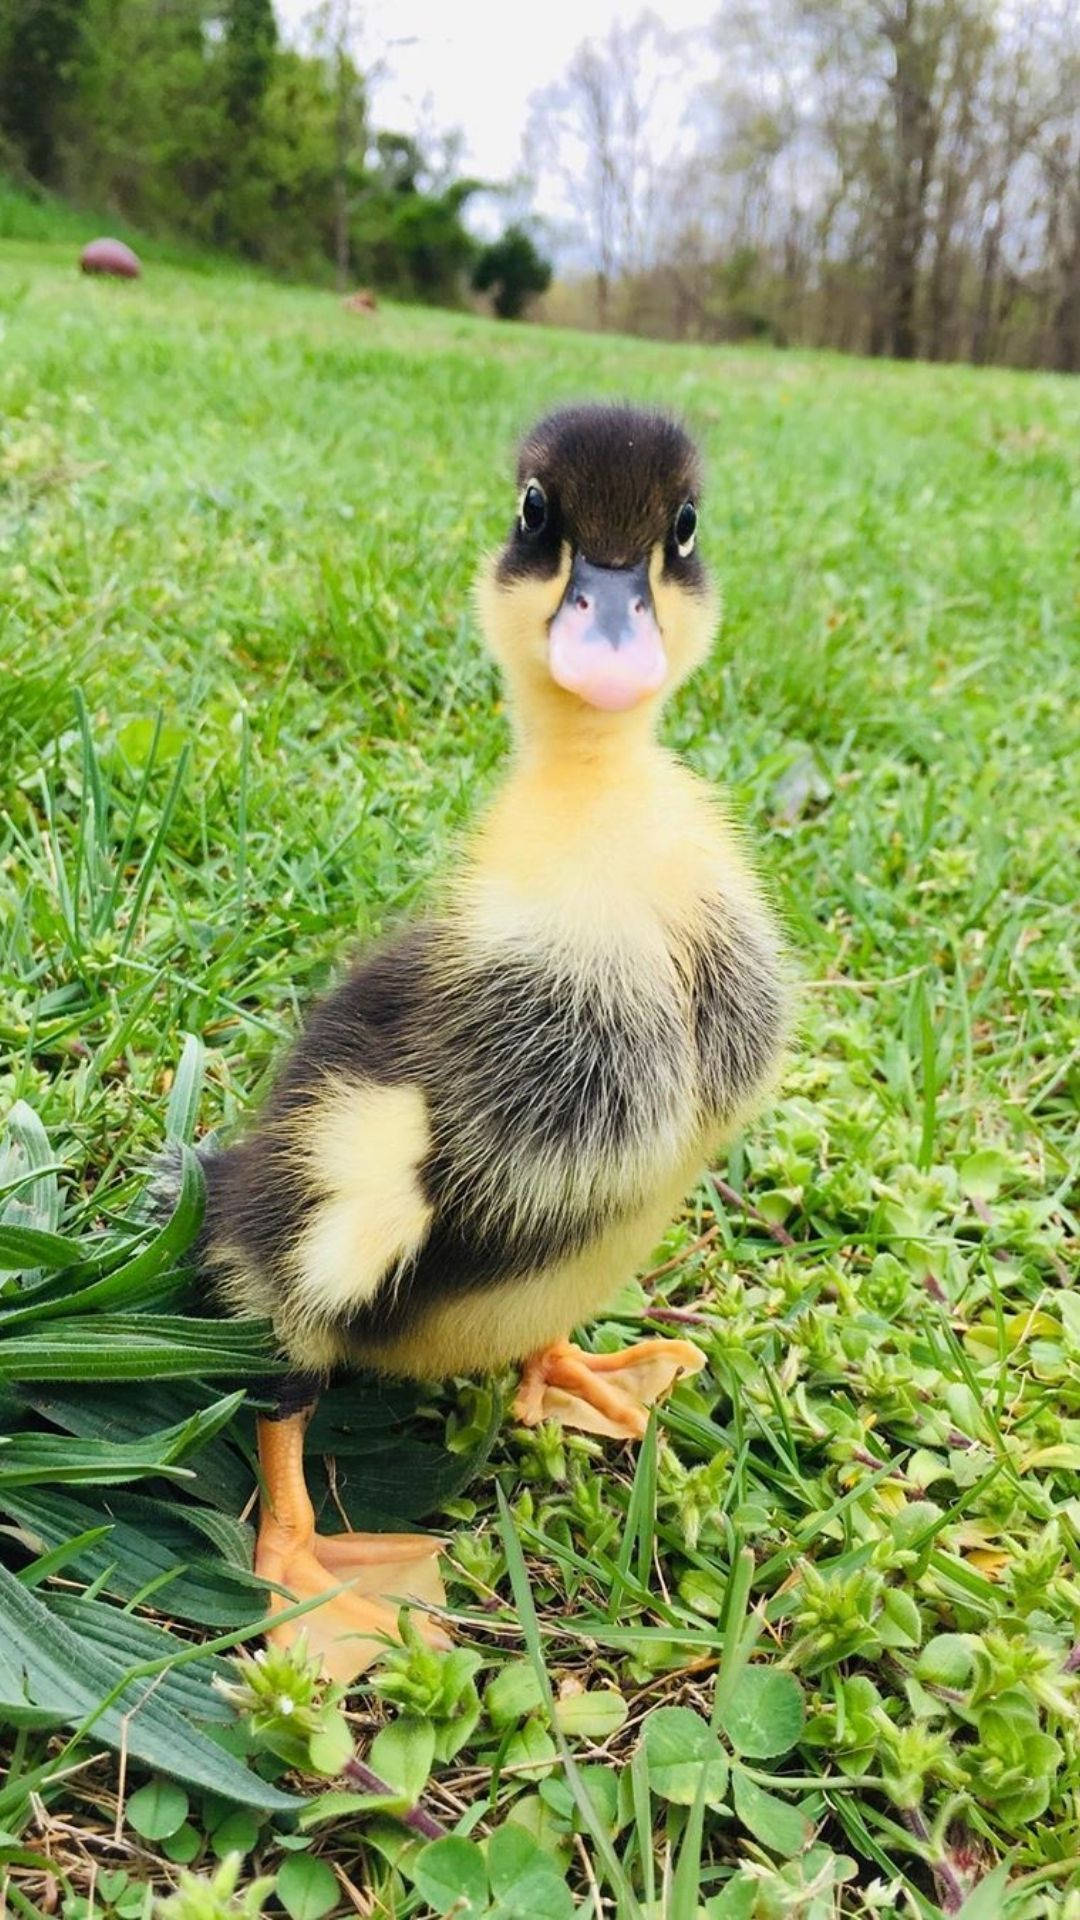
x: 610, y: 678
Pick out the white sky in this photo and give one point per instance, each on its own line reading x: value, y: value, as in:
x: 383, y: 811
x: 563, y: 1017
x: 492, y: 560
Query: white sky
x: 472, y: 64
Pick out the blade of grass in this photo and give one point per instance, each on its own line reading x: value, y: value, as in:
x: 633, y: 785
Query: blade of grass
x: 155, y: 849
x: 183, y: 1108
x: 686, y: 1884
x: 530, y: 1628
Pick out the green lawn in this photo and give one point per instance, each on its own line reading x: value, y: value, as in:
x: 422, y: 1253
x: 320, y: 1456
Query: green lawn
x: 813, y: 1650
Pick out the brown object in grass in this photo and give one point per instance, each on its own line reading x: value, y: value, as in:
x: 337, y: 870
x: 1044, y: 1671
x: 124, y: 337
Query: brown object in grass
x: 362, y: 301
x: 112, y: 257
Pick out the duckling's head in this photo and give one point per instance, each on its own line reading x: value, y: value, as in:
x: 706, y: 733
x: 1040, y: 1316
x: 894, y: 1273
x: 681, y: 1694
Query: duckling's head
x: 598, y: 604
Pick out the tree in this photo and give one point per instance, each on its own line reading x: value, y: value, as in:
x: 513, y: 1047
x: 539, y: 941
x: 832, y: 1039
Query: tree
x: 188, y: 117
x: 511, y: 269
x: 250, y: 45
x: 881, y: 158
x: 39, y: 47
x: 144, y: 129
x: 335, y: 33
x: 406, y: 232
x: 1062, y: 164
x: 1054, y: 149
x: 600, y: 132
x: 912, y: 30
x: 959, y: 161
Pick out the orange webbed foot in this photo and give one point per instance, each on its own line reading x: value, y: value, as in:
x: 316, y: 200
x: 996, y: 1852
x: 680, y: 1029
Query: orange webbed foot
x: 366, y: 1577
x: 351, y: 1628
x: 603, y: 1393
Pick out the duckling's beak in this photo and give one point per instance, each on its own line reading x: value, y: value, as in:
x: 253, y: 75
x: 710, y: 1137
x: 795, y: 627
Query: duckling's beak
x: 604, y: 643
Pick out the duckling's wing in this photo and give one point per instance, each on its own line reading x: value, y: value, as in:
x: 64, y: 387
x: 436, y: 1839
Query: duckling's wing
x: 358, y: 1150
x: 324, y: 1203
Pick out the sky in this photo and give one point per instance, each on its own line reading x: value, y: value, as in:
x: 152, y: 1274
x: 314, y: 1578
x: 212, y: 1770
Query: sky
x: 472, y: 64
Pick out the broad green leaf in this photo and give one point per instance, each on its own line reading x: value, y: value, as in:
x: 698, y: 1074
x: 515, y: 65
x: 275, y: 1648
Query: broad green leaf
x: 45, y: 1662
x: 535, y: 1899
x: 550, y: 1829
x: 602, y: 1786
x: 182, y: 1846
x: 524, y: 1878
x: 306, y: 1887
x: 143, y: 739
x: 678, y: 1745
x: 24, y: 1248
x: 331, y: 1746
x: 900, y: 1622
x: 15, y: 1714
x: 136, y: 1410
x: 232, y: 1539
x: 149, y: 1539
x: 513, y: 1694
x: 451, y: 1874
x: 139, y: 1347
x: 387, y: 1476
x: 157, y: 1288
x: 157, y: 1810
x: 30, y: 1459
x: 1029, y: 1804
x: 779, y: 1826
x: 986, y: 1901
x: 981, y: 1173
x: 237, y: 1833
x: 764, y: 1714
x: 25, y: 1151
x: 130, y: 1641
x: 531, y: 1752
x: 593, y: 1715
x: 736, y: 1902
x: 948, y: 1660
x: 402, y: 1755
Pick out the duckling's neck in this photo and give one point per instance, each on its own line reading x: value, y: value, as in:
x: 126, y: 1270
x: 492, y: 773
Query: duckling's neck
x: 569, y: 741
x: 597, y: 839
x: 584, y: 783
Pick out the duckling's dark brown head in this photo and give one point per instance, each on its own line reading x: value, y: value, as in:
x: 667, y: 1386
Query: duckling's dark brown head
x: 599, y: 594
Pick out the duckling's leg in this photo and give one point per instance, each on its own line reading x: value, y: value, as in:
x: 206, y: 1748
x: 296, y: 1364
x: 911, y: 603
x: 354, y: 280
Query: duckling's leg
x: 606, y: 1393
x: 382, y: 1569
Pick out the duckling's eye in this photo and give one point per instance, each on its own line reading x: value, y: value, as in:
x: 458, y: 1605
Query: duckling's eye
x: 686, y: 528
x: 534, y: 508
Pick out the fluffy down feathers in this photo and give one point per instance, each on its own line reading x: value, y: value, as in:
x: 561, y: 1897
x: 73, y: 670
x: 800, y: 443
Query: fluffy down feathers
x: 485, y: 1128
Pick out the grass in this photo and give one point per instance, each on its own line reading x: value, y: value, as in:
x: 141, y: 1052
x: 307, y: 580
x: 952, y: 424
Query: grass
x: 813, y: 1650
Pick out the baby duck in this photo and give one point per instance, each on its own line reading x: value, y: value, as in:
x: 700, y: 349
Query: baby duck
x: 487, y: 1126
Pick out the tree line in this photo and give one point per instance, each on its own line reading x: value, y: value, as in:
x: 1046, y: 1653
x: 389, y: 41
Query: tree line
x: 194, y: 118
x: 881, y: 176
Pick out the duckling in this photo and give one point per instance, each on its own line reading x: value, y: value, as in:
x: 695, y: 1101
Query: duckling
x: 487, y: 1126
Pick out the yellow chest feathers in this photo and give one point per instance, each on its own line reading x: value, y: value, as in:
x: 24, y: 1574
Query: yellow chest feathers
x: 609, y: 993
x: 621, y: 893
